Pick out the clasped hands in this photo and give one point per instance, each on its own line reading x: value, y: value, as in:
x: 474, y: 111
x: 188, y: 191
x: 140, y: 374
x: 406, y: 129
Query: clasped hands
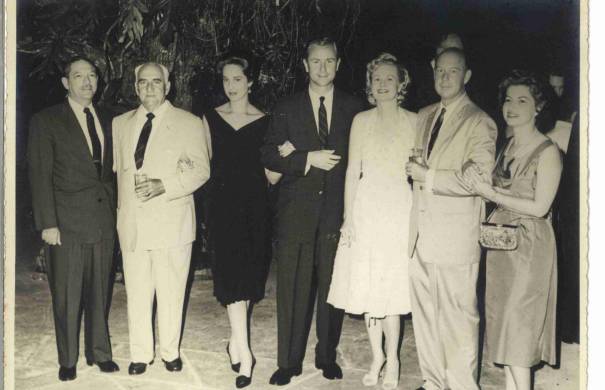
x: 323, y: 159
x: 477, y: 181
x: 149, y: 189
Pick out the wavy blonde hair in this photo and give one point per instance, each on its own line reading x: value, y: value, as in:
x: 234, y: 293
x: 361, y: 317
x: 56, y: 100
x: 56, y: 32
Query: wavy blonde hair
x: 402, y: 73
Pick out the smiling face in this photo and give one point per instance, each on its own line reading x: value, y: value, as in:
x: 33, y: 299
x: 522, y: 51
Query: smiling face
x: 519, y: 108
x: 151, y: 86
x: 235, y: 82
x: 385, y: 83
x: 321, y: 64
x: 451, y: 75
x: 81, y: 82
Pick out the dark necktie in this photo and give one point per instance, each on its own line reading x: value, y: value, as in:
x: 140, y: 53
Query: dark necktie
x: 94, y: 140
x: 139, y: 152
x: 435, y: 132
x: 323, y: 122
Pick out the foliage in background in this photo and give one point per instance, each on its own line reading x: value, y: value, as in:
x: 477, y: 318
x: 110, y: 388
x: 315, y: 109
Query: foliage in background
x: 188, y: 36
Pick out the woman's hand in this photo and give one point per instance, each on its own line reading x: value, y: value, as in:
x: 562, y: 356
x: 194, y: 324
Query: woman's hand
x: 347, y: 233
x: 286, y: 149
x: 477, y: 181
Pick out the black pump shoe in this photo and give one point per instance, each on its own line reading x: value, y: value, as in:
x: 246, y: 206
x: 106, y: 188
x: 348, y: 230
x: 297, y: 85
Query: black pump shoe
x: 235, y: 367
x: 242, y: 380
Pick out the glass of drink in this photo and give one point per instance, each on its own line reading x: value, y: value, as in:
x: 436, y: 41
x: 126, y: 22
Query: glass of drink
x: 416, y: 156
x: 139, y: 178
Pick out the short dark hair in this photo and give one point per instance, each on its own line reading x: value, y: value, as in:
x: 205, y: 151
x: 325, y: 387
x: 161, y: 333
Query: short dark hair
x: 536, y: 86
x: 323, y: 41
x: 454, y: 50
x: 239, y: 60
x: 67, y: 65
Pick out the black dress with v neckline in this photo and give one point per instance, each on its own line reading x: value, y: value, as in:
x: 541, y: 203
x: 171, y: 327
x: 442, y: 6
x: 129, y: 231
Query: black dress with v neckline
x: 239, y: 211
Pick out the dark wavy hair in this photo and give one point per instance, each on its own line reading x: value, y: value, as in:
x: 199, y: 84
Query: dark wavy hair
x: 241, y: 61
x: 538, y: 90
x: 67, y: 64
x: 402, y: 73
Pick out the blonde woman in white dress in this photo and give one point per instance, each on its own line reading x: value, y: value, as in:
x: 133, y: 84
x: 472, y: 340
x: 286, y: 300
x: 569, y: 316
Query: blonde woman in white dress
x: 371, y: 267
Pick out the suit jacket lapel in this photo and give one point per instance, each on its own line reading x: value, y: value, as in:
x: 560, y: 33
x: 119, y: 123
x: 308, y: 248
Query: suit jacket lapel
x: 106, y: 130
x: 77, y: 137
x: 307, y: 120
x: 426, y: 133
x: 338, y: 118
x: 451, y: 127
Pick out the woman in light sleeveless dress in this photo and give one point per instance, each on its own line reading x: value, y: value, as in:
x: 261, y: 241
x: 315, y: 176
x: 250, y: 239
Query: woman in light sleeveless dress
x: 521, y: 285
x: 371, y: 267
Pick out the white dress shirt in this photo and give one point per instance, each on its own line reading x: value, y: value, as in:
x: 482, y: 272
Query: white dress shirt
x: 78, y: 110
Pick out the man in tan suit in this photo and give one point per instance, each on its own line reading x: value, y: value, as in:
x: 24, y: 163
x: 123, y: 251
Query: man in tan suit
x: 453, y: 134
x: 165, y: 148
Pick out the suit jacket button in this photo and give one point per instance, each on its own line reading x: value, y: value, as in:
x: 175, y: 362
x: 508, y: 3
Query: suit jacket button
x: 100, y: 200
x: 320, y: 192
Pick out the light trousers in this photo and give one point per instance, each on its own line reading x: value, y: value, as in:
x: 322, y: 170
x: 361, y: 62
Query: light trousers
x: 161, y: 273
x: 446, y: 323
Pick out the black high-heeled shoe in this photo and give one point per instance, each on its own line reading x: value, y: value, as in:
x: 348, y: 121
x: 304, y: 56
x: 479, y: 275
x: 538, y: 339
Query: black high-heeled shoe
x: 242, y: 380
x: 235, y: 367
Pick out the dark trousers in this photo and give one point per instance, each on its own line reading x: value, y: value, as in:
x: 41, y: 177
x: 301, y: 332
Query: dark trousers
x: 78, y: 276
x: 304, y: 270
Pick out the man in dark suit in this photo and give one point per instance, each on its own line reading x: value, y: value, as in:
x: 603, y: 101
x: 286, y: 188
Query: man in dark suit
x: 73, y: 195
x: 316, y: 122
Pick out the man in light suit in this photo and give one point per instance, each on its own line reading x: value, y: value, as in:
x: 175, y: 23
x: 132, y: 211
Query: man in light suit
x: 316, y: 122
x: 156, y: 217
x: 444, y: 229
x: 73, y: 196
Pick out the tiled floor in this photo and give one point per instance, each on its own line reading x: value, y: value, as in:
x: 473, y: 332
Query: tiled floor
x: 203, y: 349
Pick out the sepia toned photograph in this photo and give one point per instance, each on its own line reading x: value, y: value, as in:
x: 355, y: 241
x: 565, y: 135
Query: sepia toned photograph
x: 297, y: 194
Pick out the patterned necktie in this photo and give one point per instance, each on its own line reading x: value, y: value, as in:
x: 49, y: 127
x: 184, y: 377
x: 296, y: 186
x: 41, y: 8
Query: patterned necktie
x: 139, y: 152
x: 323, y: 122
x: 94, y: 140
x: 435, y: 132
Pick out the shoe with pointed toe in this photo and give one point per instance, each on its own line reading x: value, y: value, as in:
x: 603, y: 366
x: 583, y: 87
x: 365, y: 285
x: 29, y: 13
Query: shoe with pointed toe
x: 283, y: 376
x: 108, y: 366
x: 67, y: 373
x: 330, y: 370
x: 234, y: 366
x: 391, y: 376
x: 371, y: 377
x: 137, y: 368
x: 242, y: 381
x: 173, y: 365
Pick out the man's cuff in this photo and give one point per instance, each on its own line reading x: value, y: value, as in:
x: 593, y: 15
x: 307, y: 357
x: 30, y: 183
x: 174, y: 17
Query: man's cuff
x: 429, y: 180
x: 307, y: 165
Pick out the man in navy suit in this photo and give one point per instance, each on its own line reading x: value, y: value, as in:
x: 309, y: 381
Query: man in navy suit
x: 73, y: 196
x: 316, y: 122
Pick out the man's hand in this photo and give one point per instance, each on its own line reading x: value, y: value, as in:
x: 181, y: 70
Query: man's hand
x: 51, y: 236
x: 149, y: 189
x: 286, y: 149
x: 323, y: 159
x: 416, y: 171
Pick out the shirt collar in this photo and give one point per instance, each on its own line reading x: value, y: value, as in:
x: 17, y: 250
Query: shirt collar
x: 453, y: 105
x: 158, y: 112
x: 77, y: 107
x: 315, y: 96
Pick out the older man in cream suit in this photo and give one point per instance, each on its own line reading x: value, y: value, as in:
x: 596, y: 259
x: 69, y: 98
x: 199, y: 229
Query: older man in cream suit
x: 453, y: 134
x: 164, y: 150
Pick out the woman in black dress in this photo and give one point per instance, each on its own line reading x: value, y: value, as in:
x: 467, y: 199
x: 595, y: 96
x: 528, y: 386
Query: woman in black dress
x: 239, y: 209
